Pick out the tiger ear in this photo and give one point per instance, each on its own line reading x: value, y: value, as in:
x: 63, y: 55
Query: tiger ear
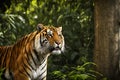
x: 40, y: 27
x: 60, y: 29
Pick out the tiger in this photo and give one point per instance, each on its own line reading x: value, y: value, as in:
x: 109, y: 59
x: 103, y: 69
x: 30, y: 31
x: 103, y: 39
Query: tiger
x: 26, y: 59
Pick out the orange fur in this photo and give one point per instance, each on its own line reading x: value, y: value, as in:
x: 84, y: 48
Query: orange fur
x: 15, y: 58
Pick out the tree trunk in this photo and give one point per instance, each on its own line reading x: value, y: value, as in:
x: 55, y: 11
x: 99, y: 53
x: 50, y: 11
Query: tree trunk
x: 107, y: 38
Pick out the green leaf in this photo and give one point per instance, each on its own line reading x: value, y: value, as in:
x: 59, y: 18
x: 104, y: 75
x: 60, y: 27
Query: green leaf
x: 79, y: 76
x: 84, y: 76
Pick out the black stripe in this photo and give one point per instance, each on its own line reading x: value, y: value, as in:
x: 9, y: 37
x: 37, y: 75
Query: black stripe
x: 1, y: 56
x: 29, y: 62
x: 30, y: 65
x: 26, y: 71
x: 41, y: 40
x: 43, y: 66
x: 1, y: 52
x: 43, y: 77
x: 44, y: 70
x: 36, y: 54
x: 42, y: 57
x: 11, y: 58
x: 27, y: 66
x: 43, y: 60
x: 43, y: 73
x: 33, y: 59
x: 22, y: 72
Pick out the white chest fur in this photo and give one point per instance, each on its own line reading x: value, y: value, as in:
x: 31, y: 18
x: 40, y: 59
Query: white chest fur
x: 41, y: 71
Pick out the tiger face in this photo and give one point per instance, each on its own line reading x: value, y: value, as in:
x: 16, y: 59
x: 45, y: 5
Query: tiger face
x: 49, y: 40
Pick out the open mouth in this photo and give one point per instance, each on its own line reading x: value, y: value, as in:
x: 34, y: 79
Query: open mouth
x: 54, y: 49
x: 57, y: 48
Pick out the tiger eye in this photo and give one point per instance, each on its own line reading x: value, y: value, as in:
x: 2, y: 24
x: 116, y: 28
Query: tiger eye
x: 49, y: 33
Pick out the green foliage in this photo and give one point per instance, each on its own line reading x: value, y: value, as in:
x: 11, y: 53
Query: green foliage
x: 11, y: 28
x: 84, y: 72
x: 76, y: 18
x: 1, y: 71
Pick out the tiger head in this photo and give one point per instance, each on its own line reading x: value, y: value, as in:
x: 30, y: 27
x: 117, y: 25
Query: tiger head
x: 49, y: 39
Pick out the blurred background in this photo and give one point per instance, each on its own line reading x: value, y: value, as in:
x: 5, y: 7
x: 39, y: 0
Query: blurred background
x: 20, y: 17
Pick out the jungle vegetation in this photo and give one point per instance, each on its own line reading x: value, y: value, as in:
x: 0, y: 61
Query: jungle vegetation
x: 20, y: 17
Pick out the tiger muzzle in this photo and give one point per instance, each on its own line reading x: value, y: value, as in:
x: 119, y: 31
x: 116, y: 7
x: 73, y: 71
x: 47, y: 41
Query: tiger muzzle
x: 54, y: 48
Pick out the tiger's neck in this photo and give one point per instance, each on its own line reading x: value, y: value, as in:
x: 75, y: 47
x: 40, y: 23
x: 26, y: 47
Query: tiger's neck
x: 37, y: 61
x: 41, y: 71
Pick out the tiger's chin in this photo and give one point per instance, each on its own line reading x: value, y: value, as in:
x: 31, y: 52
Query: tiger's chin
x: 56, y: 51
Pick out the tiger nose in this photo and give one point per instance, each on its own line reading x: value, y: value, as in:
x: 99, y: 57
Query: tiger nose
x: 57, y: 42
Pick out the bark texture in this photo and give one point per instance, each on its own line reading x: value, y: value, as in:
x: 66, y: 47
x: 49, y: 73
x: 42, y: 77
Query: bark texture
x: 107, y: 38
